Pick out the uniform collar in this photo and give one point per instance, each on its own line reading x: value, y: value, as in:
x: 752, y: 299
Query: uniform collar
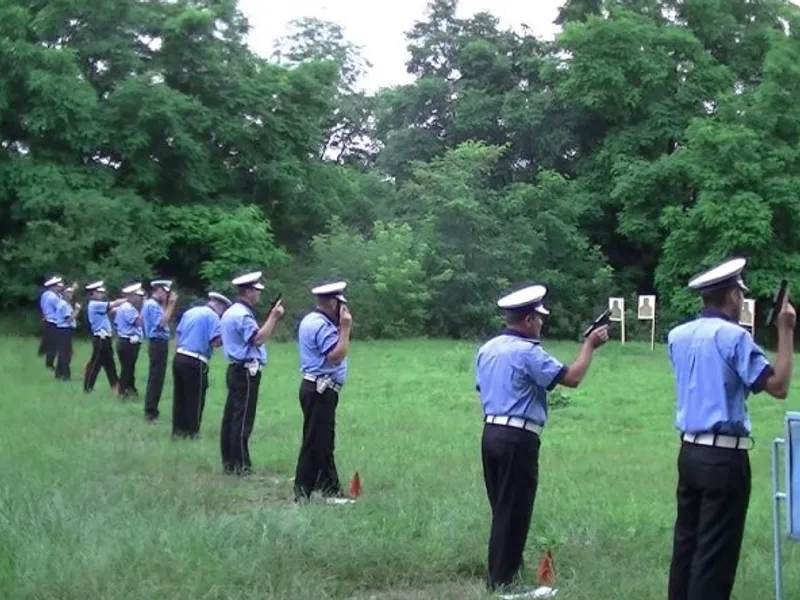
x: 246, y: 305
x: 519, y: 334
x: 712, y: 313
x: 326, y: 316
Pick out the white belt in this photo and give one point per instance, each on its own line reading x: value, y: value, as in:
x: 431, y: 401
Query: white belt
x: 252, y: 365
x: 516, y: 422
x: 718, y: 440
x: 196, y: 355
x: 134, y: 339
x: 102, y: 334
x: 330, y: 383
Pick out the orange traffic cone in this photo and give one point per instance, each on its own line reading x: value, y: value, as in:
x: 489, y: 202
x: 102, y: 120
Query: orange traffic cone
x: 355, y: 486
x: 546, y: 572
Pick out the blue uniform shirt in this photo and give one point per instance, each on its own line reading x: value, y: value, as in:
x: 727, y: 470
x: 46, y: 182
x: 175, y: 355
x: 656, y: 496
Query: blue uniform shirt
x: 198, y: 327
x: 317, y: 336
x: 63, y: 315
x: 239, y: 326
x: 513, y: 374
x: 152, y: 312
x: 97, y: 313
x: 716, y: 365
x: 125, y: 321
x: 49, y: 304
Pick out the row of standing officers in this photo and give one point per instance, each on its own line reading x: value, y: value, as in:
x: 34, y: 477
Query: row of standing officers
x: 324, y: 342
x: 715, y: 362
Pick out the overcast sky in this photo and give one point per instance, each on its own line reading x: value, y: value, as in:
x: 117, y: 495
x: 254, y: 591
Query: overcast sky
x: 379, y: 26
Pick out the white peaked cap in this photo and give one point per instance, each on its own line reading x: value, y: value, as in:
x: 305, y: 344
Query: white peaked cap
x: 531, y: 296
x: 249, y: 280
x: 162, y: 283
x: 140, y: 292
x: 723, y: 275
x: 94, y: 286
x: 329, y: 289
x: 132, y: 288
x: 219, y: 298
x: 55, y: 280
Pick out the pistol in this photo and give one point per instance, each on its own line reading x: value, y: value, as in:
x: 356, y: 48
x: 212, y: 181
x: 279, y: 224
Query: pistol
x: 777, y: 303
x: 603, y: 319
x: 273, y: 303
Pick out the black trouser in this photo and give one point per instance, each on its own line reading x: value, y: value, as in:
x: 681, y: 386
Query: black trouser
x: 511, y: 475
x: 316, y: 467
x: 62, y: 340
x: 43, y: 340
x: 50, y: 344
x: 127, y: 353
x: 102, y: 358
x: 713, y: 496
x: 238, y: 418
x: 190, y: 382
x: 158, y: 353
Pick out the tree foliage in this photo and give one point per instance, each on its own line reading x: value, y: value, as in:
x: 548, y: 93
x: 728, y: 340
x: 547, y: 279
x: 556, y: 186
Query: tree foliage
x: 650, y: 139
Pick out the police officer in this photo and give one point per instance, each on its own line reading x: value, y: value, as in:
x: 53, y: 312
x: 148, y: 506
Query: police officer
x: 97, y: 311
x: 324, y: 341
x: 47, y: 304
x: 157, y: 312
x: 42, y: 344
x: 69, y: 296
x: 243, y: 344
x: 513, y: 376
x: 128, y: 322
x: 197, y: 334
x: 66, y: 315
x: 716, y: 365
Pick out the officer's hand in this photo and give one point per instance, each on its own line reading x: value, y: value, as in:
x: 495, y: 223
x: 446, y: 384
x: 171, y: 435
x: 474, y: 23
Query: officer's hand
x: 787, y: 317
x: 173, y: 298
x: 77, y: 306
x: 598, y: 337
x: 345, y: 318
x: 277, y: 311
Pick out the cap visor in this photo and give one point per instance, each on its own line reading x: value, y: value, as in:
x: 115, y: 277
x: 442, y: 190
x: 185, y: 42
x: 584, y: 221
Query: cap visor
x: 258, y: 286
x: 542, y: 310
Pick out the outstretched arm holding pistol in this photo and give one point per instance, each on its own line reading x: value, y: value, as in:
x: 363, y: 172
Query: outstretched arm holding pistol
x: 777, y: 384
x: 169, y: 309
x: 577, y: 370
x: 274, y: 315
x: 339, y: 352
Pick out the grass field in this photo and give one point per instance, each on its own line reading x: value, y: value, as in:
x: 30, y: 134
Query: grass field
x: 96, y: 504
